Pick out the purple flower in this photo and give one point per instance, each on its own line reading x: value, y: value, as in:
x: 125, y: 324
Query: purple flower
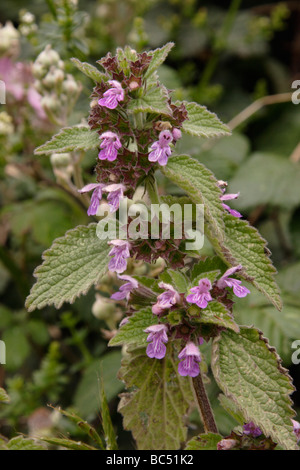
x: 161, y: 148
x: 158, y: 336
x: 191, y: 357
x: 116, y: 192
x: 123, y: 322
x: 120, y: 253
x: 109, y: 146
x: 200, y: 294
x: 226, y: 281
x: 165, y: 300
x: 96, y: 196
x: 112, y: 96
x: 251, y: 430
x: 228, y: 197
x: 296, y: 428
x: 125, y: 289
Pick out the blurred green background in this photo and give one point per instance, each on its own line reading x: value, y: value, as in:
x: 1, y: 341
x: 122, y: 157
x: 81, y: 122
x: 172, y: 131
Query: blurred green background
x: 239, y: 59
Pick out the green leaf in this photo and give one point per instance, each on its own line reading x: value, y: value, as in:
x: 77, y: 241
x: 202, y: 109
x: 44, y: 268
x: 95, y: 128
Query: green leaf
x: 71, y: 266
x: 67, y: 443
x: 281, y: 328
x: 22, y: 443
x: 154, y: 101
x: 90, y: 70
x: 267, y: 179
x: 210, y: 275
x: 4, y: 398
x: 108, y: 429
x: 249, y: 372
x: 86, y: 399
x: 69, y: 139
x: 201, y: 122
x: 155, y: 410
x: 133, y: 331
x: 201, y: 186
x: 212, y: 263
x: 125, y: 56
x: 84, y: 425
x: 231, y: 409
x: 158, y: 57
x: 217, y: 314
x: 207, y: 441
x: 176, y: 278
x: 18, y: 345
x: 148, y: 282
x: 244, y: 245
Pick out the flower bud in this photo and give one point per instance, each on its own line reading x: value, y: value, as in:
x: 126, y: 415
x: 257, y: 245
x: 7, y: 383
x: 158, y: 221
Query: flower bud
x: 70, y: 86
x: 48, y: 57
x: 61, y: 160
x: 9, y: 39
x: 103, y: 308
x: 50, y: 103
x: 6, y: 125
x: 39, y: 71
x: 53, y: 78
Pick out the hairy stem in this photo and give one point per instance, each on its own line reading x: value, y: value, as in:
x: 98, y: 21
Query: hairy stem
x: 204, y: 405
x: 151, y: 187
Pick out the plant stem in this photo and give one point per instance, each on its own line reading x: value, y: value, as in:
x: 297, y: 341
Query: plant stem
x: 151, y: 187
x: 205, y: 409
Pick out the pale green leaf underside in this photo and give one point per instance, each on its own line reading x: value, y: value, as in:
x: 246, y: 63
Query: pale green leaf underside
x: 202, y: 123
x: 71, y: 266
x: 89, y: 70
x: 69, y: 139
x: 201, y: 186
x: 155, y: 411
x: 249, y: 372
x: 244, y: 245
x: 133, y: 331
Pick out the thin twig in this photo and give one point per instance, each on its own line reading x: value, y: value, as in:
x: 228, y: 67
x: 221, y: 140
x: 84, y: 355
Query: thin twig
x: 256, y: 106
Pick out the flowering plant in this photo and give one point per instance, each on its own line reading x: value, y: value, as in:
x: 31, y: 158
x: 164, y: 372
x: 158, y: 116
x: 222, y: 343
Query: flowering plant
x: 172, y: 316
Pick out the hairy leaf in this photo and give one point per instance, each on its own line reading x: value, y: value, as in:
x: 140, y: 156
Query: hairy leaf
x: 67, y: 443
x: 155, y: 410
x: 89, y: 70
x: 217, y: 314
x: 21, y: 443
x: 244, y: 245
x: 133, y: 331
x: 202, y: 123
x: 154, y: 101
x: 200, y: 185
x: 107, y: 425
x: 69, y: 139
x: 158, y: 57
x: 249, y: 372
x: 71, y: 266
